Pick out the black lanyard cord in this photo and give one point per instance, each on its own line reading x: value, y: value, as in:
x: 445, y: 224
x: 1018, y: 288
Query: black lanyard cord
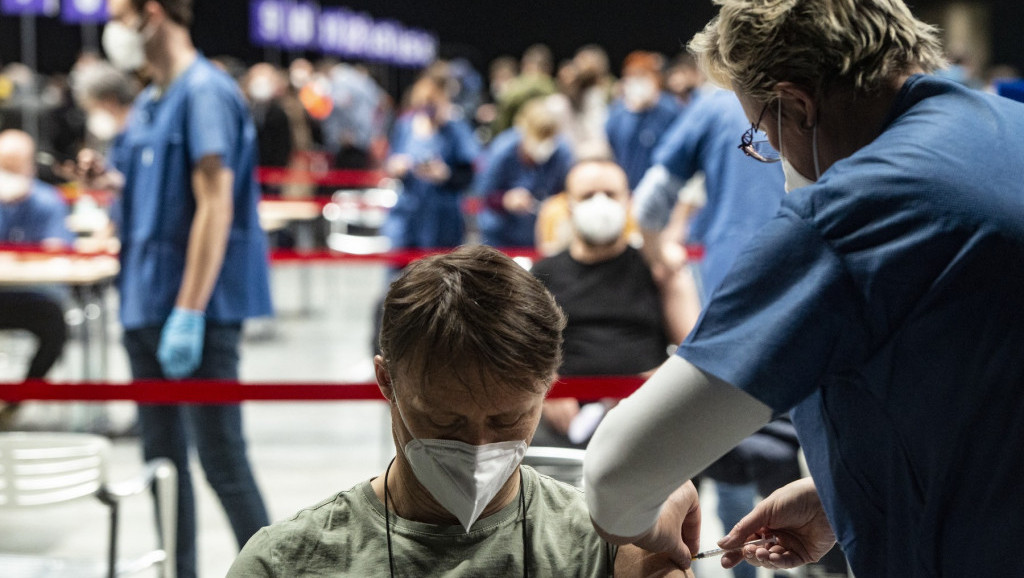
x: 387, y: 518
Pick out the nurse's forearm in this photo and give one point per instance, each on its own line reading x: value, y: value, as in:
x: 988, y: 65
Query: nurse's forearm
x: 208, y: 237
x: 673, y: 427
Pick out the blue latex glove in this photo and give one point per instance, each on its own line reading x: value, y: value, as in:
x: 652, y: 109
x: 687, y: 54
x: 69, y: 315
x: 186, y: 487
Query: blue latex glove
x: 181, y: 343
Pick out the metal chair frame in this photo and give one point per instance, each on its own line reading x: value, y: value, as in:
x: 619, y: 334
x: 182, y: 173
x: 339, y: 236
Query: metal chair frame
x: 45, y: 469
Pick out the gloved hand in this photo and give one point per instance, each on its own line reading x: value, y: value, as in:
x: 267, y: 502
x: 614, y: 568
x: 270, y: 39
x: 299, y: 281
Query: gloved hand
x: 181, y: 343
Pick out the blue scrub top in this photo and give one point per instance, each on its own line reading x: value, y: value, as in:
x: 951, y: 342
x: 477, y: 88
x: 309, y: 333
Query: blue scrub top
x: 634, y: 135
x: 885, y: 303
x: 428, y: 215
x: 742, y: 194
x: 201, y: 113
x: 507, y: 169
x: 39, y: 216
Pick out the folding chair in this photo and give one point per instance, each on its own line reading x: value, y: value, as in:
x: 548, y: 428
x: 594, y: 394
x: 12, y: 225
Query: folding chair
x: 40, y: 469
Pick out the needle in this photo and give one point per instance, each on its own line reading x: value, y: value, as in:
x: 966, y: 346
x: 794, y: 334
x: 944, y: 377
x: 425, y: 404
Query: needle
x: 719, y: 551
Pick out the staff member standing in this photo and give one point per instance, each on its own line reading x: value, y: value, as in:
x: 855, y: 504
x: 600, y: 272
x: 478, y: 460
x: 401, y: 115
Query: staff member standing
x: 193, y: 256
x: 884, y: 304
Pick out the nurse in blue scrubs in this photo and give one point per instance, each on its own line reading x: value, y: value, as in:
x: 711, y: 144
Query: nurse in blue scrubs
x: 432, y: 153
x: 193, y: 256
x: 883, y: 304
x: 637, y: 121
x: 524, y: 165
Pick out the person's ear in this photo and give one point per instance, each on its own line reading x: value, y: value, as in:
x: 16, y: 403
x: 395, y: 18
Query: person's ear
x: 798, y: 101
x: 383, y: 376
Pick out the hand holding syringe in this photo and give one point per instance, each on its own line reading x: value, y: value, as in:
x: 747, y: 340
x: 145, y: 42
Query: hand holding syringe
x: 766, y: 541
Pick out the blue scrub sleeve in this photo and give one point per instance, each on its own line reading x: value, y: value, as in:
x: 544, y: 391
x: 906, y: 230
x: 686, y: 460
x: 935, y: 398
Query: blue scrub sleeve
x: 467, y: 148
x: 680, y: 148
x: 675, y: 160
x: 489, y: 178
x: 212, y: 123
x: 399, y: 135
x: 786, y: 315
x: 654, y: 198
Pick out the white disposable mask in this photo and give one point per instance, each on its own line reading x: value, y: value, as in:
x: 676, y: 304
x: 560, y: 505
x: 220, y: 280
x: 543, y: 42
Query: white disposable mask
x: 261, y: 89
x: 102, y: 125
x: 794, y: 179
x: 540, y: 152
x: 124, y: 46
x: 599, y: 220
x: 462, y: 477
x: 13, y: 186
x: 638, y: 92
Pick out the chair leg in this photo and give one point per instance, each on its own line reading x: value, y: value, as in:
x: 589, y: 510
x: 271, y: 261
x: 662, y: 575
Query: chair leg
x: 112, y: 553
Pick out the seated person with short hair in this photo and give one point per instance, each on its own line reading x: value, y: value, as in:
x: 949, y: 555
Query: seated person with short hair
x: 470, y: 343
x: 621, y: 321
x: 31, y: 213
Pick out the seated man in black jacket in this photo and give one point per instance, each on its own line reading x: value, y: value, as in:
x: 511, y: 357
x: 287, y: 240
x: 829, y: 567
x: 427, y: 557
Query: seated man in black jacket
x: 617, y: 322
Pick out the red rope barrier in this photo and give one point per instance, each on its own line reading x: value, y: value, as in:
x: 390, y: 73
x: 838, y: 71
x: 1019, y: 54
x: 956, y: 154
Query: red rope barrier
x: 399, y: 258
x: 213, y: 392
x: 39, y: 250
x: 318, y: 201
x: 340, y: 178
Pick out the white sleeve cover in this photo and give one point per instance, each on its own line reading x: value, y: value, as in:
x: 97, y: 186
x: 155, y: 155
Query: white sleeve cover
x: 678, y: 423
x: 655, y: 196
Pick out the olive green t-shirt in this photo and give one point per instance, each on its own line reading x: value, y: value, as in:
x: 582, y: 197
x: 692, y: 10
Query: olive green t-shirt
x: 345, y: 536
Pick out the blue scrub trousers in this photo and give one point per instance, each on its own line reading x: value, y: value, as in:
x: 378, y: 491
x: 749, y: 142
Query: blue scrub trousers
x: 215, y: 430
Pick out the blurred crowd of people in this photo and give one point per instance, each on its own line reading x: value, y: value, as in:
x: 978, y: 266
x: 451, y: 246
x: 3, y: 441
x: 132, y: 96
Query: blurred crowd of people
x: 337, y: 115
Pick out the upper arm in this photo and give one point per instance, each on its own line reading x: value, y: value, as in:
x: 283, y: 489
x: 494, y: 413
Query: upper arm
x: 679, y: 422
x: 256, y: 557
x: 632, y: 561
x: 211, y: 180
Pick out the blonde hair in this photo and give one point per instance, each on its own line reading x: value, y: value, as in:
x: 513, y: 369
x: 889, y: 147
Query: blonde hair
x: 538, y: 118
x: 819, y: 45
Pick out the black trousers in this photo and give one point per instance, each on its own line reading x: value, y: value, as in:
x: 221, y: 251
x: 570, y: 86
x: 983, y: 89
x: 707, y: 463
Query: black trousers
x: 40, y: 315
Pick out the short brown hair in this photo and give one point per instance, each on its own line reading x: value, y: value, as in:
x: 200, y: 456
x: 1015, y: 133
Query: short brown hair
x: 179, y: 11
x: 474, y: 314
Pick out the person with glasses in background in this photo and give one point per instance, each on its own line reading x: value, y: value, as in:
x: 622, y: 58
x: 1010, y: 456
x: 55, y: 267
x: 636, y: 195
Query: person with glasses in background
x: 883, y: 304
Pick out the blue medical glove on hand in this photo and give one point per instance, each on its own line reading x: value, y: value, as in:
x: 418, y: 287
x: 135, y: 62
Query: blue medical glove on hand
x: 181, y: 343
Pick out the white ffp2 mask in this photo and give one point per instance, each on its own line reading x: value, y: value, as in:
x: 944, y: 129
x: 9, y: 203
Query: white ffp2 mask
x: 124, y: 46
x: 599, y: 220
x: 462, y: 477
x: 13, y: 187
x: 794, y: 180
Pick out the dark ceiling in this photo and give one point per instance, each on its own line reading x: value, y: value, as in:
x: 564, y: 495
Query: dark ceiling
x: 482, y: 29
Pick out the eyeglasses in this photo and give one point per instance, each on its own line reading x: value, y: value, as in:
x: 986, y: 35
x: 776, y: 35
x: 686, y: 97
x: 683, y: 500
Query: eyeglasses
x: 754, y: 143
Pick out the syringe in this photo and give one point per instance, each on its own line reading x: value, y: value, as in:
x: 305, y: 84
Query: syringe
x: 766, y: 541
